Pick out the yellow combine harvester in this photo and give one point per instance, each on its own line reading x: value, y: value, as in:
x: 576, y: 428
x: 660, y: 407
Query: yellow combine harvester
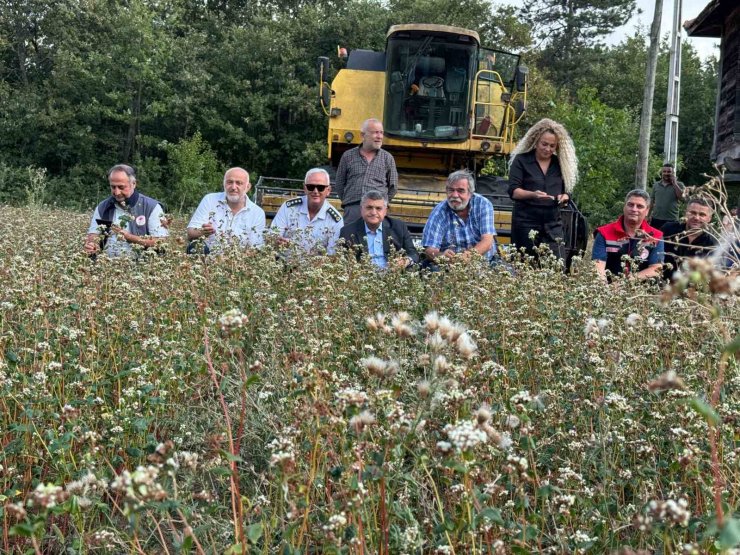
x: 445, y: 102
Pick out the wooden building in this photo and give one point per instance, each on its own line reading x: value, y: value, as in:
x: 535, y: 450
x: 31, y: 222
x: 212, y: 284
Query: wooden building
x: 721, y: 19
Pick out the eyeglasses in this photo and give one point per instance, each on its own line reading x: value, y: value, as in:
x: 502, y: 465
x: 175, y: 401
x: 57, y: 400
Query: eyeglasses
x: 311, y: 187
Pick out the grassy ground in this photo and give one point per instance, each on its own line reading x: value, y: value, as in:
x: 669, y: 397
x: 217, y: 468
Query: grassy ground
x: 174, y: 404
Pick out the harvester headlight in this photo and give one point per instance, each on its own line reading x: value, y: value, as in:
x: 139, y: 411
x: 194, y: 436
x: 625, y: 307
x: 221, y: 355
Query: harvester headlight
x: 348, y: 136
x: 485, y: 145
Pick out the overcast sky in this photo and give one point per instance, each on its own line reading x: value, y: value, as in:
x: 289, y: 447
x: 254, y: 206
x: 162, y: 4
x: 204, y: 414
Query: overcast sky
x: 690, y: 9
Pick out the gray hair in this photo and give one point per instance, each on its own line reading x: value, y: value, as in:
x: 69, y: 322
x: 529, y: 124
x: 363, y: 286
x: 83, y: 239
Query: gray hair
x: 236, y: 168
x: 128, y: 170
x: 638, y: 193
x: 367, y: 122
x: 456, y: 176
x: 374, y: 195
x: 321, y: 171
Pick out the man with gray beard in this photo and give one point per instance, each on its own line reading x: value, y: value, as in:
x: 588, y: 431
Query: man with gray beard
x: 229, y: 216
x: 462, y: 224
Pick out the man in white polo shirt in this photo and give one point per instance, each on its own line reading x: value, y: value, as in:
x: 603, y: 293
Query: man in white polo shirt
x: 228, y: 217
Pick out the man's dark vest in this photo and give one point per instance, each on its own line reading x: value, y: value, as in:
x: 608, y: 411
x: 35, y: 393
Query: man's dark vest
x: 618, y: 245
x: 136, y: 205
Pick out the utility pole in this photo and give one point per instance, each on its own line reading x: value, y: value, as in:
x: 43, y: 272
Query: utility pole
x: 670, y: 144
x: 643, y: 153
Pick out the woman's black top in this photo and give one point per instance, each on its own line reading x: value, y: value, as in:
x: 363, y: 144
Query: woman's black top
x: 525, y: 173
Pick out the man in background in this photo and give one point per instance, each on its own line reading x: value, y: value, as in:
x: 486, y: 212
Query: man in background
x: 667, y: 193
x: 364, y: 168
x: 690, y: 239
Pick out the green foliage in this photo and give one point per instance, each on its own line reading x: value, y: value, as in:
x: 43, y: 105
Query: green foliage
x: 87, y: 84
x: 193, y: 171
x: 571, y: 29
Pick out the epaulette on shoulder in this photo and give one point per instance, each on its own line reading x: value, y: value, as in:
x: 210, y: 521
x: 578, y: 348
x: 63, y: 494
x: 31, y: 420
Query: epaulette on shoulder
x: 294, y: 202
x: 335, y: 215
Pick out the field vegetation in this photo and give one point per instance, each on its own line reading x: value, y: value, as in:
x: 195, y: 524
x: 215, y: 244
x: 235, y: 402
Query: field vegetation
x: 181, y: 404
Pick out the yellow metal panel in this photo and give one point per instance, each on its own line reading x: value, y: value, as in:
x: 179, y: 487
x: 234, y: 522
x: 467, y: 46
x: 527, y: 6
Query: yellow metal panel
x: 359, y: 95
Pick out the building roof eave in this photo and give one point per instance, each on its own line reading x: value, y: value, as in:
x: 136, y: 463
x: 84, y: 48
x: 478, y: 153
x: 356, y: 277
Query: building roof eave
x: 709, y: 22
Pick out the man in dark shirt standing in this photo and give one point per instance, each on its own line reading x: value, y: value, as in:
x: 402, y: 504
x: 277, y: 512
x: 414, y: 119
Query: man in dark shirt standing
x: 665, y: 198
x: 364, y: 168
x: 689, y: 239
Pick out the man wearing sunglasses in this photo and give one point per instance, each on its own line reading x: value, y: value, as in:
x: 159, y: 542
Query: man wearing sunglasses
x: 309, y: 223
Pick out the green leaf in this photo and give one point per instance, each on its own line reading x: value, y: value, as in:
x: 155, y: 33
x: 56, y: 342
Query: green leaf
x: 230, y: 457
x: 709, y: 414
x: 187, y: 544
x: 729, y: 537
x: 236, y: 549
x: 221, y: 471
x: 140, y: 424
x: 492, y: 515
x: 24, y: 530
x: 254, y: 532
x: 733, y: 346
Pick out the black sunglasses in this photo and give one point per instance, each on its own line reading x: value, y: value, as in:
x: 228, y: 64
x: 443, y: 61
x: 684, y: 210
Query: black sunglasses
x: 312, y: 187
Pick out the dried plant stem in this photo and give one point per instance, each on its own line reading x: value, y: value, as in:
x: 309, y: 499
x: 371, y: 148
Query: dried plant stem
x: 311, y: 477
x: 35, y: 543
x: 236, y: 507
x: 159, y: 533
x: 714, y: 437
x: 440, y: 508
x: 189, y: 532
x: 383, y: 519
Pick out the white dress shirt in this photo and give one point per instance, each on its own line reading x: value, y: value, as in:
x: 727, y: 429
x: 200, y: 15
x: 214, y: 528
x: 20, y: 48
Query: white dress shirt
x: 246, y: 226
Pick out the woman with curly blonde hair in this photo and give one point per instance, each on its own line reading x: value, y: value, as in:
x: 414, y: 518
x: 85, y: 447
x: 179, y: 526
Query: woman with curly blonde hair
x: 543, y: 172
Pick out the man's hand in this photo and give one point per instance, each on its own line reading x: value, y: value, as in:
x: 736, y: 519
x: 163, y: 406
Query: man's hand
x: 203, y: 231
x: 402, y: 262
x: 207, y: 229
x: 120, y: 232
x: 92, y: 243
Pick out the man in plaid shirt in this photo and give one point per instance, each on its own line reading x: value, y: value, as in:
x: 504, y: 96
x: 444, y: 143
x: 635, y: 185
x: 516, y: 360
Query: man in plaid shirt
x: 461, y: 224
x: 364, y: 168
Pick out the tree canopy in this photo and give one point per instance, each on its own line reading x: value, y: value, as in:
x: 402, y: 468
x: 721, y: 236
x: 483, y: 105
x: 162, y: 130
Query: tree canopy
x: 184, y: 88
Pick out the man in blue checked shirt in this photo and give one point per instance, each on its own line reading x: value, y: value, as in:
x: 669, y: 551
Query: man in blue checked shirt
x: 461, y: 224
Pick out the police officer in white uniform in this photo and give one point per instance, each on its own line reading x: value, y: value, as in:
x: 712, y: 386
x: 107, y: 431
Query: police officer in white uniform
x: 309, y: 223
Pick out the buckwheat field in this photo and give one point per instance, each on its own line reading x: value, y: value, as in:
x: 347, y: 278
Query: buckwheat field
x: 238, y: 404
